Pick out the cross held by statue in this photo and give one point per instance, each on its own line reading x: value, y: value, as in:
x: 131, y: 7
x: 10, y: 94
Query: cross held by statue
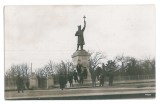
x: 84, y: 18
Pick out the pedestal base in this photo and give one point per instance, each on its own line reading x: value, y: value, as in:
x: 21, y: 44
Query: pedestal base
x: 82, y: 57
x: 50, y: 82
x: 33, y: 81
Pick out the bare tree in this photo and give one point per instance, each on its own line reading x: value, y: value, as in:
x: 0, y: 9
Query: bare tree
x: 64, y: 67
x: 122, y: 62
x: 51, y: 67
x: 21, y: 69
x: 95, y: 59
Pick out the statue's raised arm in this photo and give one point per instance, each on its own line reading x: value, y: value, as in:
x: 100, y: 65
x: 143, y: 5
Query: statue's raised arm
x: 84, y: 25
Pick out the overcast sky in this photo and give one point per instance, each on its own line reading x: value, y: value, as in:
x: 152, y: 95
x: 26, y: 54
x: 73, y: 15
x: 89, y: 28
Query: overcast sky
x: 38, y: 34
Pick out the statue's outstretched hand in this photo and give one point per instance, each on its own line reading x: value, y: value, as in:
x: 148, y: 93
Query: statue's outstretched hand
x: 84, y: 22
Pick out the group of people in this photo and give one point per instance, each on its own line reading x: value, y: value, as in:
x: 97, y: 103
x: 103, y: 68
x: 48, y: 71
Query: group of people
x: 101, y: 78
x: 22, y: 83
x: 110, y: 79
x: 77, y: 75
x: 80, y: 74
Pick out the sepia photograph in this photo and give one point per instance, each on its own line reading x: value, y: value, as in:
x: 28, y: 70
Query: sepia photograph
x: 79, y: 52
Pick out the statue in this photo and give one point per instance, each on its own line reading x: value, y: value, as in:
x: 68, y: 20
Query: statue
x: 79, y: 33
x: 81, y: 57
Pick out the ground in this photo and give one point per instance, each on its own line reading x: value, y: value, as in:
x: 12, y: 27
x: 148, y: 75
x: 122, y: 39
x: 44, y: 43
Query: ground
x: 119, y: 90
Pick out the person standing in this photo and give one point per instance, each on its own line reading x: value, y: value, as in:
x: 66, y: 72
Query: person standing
x: 93, y: 75
x: 75, y: 76
x: 85, y: 73
x: 20, y: 84
x: 62, y: 81
x: 101, y: 79
x: 111, y: 78
x: 79, y: 69
x: 81, y: 78
x: 70, y: 79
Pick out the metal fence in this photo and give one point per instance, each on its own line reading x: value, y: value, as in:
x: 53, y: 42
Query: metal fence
x: 42, y: 82
x: 10, y: 83
x: 135, y: 77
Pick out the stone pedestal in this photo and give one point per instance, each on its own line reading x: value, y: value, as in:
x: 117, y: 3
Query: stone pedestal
x: 50, y: 82
x: 33, y: 81
x: 82, y: 57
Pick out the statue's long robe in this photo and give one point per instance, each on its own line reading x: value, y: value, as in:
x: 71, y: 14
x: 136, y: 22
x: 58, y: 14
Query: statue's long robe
x: 79, y: 33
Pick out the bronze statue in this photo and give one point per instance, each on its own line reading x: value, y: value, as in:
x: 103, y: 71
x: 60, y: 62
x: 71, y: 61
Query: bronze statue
x: 79, y: 33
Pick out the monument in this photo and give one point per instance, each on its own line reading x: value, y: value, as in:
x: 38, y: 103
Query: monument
x: 33, y: 81
x: 80, y: 58
x: 50, y: 82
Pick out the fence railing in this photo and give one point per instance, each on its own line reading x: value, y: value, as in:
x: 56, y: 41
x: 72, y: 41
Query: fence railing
x: 135, y: 77
x: 10, y: 83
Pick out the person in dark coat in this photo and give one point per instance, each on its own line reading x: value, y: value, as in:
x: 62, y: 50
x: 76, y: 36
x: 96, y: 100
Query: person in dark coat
x: 85, y: 73
x: 20, y: 84
x: 93, y: 76
x: 98, y: 72
x: 79, y: 69
x: 111, y: 78
x: 81, y: 78
x: 62, y: 81
x: 101, y: 79
x: 70, y: 79
x: 75, y: 76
